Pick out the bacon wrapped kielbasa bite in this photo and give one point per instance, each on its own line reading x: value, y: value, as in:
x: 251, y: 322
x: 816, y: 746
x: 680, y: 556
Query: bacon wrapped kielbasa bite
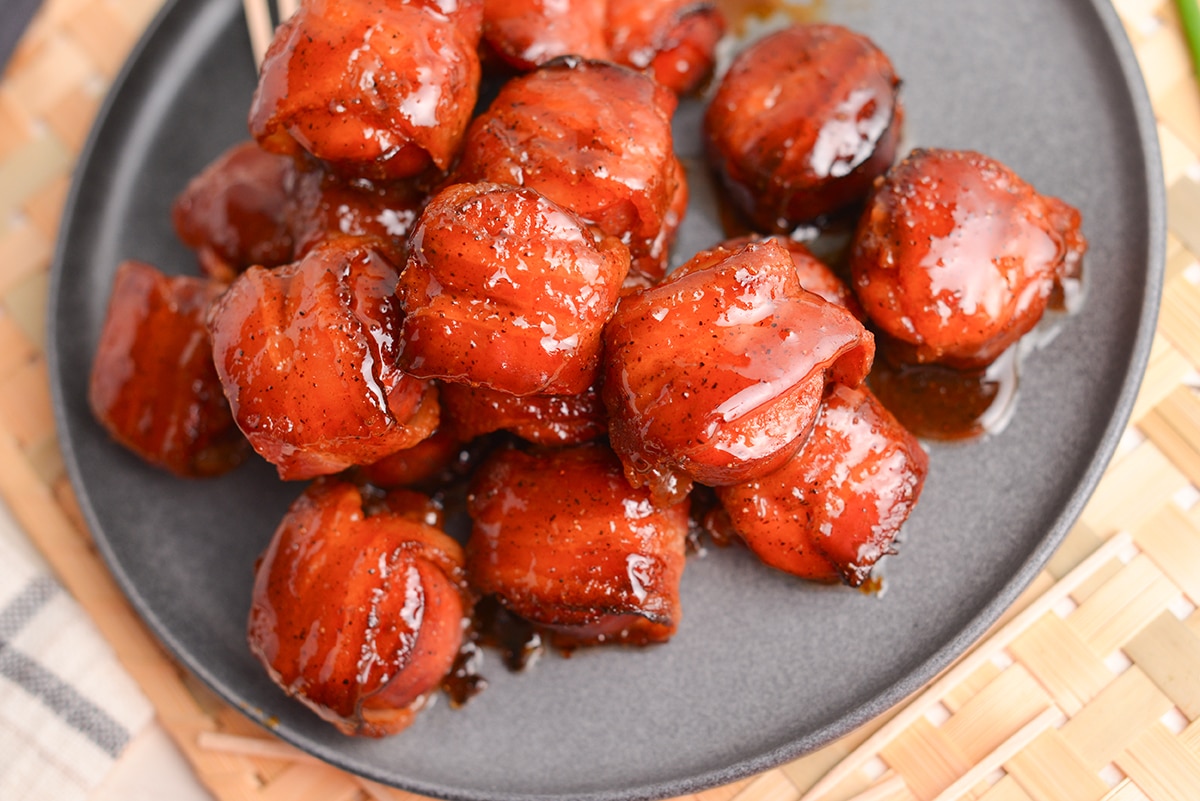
x: 372, y: 328
x: 835, y: 508
x: 561, y: 539
x: 358, y: 607
x: 593, y: 137
x: 307, y: 356
x: 716, y: 374
x: 956, y: 257
x: 377, y: 88
x: 234, y: 213
x: 152, y: 385
x: 802, y: 123
x: 506, y: 289
x: 674, y: 41
x: 324, y: 205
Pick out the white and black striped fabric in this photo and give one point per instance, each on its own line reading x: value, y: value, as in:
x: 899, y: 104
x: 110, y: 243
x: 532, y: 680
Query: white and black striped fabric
x: 67, y: 707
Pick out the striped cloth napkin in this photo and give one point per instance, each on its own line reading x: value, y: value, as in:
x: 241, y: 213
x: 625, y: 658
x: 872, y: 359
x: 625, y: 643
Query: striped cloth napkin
x: 67, y: 707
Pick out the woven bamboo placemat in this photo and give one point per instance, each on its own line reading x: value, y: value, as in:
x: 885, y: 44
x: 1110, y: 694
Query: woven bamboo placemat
x: 1088, y: 689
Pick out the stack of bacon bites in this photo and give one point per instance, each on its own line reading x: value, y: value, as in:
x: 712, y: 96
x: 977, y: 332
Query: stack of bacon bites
x: 399, y: 296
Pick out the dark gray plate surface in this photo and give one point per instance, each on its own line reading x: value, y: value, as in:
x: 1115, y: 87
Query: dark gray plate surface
x: 763, y: 667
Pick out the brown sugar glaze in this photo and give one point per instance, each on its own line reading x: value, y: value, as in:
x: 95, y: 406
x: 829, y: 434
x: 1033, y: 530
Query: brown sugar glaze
x: 936, y: 402
x: 939, y: 403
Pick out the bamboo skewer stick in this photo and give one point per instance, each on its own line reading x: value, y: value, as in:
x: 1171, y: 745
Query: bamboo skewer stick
x: 261, y: 22
x: 258, y: 22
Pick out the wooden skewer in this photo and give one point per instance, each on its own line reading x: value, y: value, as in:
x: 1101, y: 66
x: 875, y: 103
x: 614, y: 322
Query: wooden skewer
x: 258, y: 22
x: 261, y: 24
x: 287, y: 8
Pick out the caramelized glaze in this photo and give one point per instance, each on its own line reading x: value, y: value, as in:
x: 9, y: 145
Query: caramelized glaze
x: 941, y: 403
x: 739, y: 12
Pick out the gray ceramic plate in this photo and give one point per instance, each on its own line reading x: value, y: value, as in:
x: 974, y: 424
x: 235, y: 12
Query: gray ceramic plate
x: 763, y: 668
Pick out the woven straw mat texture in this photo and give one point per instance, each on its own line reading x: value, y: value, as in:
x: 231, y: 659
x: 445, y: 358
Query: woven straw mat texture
x: 1088, y: 689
